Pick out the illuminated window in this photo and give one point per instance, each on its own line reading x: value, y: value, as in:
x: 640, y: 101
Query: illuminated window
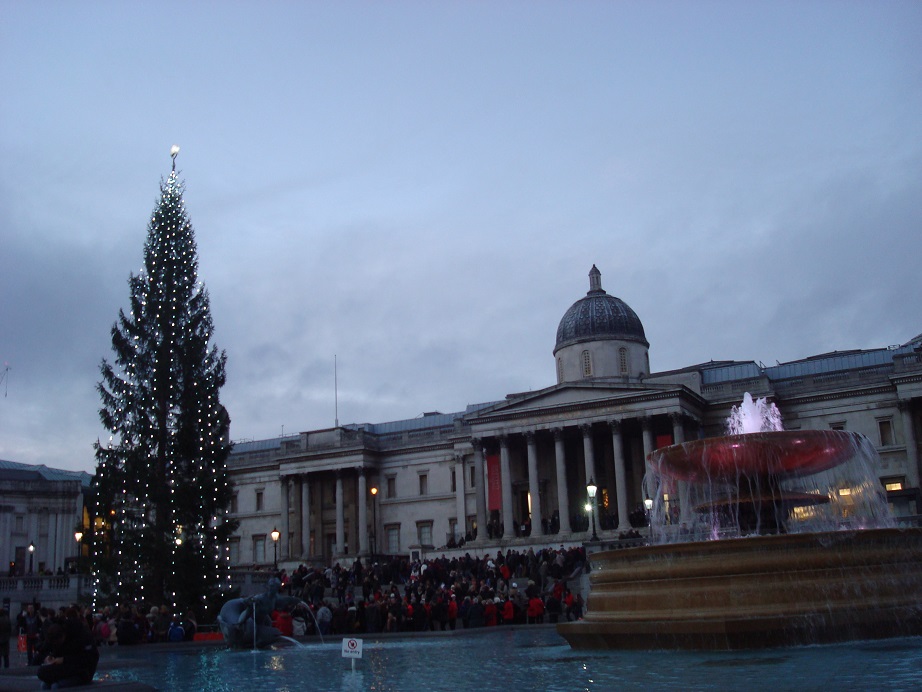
x: 892, y: 483
x: 587, y: 364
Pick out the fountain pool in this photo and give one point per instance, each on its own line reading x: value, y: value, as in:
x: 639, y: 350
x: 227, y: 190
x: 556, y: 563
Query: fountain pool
x: 518, y: 659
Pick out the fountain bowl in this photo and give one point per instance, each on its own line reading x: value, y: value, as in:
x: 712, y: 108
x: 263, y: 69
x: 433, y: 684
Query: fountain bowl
x: 755, y: 592
x: 780, y: 453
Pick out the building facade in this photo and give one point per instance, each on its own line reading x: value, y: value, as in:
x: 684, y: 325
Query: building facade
x: 515, y: 472
x: 40, y: 509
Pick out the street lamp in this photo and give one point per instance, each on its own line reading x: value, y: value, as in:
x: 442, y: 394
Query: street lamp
x: 374, y: 521
x: 78, y: 536
x: 31, y: 555
x: 648, y: 507
x: 591, y: 490
x: 275, y: 545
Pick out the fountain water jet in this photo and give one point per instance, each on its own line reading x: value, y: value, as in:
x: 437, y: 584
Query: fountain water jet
x: 814, y: 555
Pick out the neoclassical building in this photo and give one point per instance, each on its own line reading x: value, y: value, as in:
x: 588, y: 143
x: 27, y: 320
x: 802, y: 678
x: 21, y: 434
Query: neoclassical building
x: 514, y: 472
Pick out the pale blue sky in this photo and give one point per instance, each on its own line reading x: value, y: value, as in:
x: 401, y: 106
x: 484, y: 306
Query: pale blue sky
x: 421, y: 189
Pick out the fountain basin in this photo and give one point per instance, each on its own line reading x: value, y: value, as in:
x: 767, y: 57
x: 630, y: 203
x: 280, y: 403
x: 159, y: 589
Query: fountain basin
x: 755, y: 592
x: 781, y: 453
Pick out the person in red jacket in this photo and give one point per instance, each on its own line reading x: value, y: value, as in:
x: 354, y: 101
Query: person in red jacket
x: 535, y: 610
x: 508, y: 612
x: 452, y: 611
x: 489, y: 613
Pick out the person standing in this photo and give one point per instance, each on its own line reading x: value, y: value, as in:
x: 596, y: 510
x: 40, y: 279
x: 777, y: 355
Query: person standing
x: 6, y: 631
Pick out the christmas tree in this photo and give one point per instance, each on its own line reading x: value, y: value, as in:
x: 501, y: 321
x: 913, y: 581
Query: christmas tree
x: 161, y: 482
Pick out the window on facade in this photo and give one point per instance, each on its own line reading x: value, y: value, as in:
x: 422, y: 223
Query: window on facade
x: 233, y: 551
x: 894, y: 483
x: 259, y: 549
x: 454, y: 482
x: 473, y: 483
x: 20, y: 524
x: 885, y: 428
x: 259, y: 500
x: 622, y: 360
x: 391, y: 487
x: 472, y: 522
x: 233, y: 504
x: 587, y: 364
x: 453, y: 528
x: 392, y: 537
x: 424, y: 484
x: 559, y: 370
x: 424, y: 532
x: 838, y: 425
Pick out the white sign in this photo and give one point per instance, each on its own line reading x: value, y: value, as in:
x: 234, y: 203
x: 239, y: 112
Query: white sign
x: 352, y: 648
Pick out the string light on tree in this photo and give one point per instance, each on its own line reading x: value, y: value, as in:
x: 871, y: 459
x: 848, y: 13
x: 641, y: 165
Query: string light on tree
x: 162, y: 477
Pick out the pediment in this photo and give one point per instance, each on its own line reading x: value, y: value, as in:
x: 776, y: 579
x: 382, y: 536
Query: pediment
x: 569, y: 395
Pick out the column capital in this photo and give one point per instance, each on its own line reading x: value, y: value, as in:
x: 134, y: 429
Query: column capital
x: 557, y: 433
x: 530, y: 436
x: 504, y: 441
x: 646, y: 422
x: 586, y: 428
x: 477, y: 443
x: 615, y: 424
x: 904, y: 404
x: 676, y: 416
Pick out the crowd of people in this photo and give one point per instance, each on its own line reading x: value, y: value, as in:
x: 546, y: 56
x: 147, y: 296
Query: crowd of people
x: 389, y: 595
x: 59, y: 643
x: 442, y: 593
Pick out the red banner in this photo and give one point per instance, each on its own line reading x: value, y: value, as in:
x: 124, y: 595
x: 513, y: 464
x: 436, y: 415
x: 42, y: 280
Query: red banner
x: 494, y: 483
x: 662, y: 441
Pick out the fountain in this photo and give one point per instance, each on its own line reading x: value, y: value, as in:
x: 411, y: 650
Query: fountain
x: 781, y: 537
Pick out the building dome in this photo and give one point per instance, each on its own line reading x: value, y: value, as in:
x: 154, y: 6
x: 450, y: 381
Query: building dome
x: 598, y: 317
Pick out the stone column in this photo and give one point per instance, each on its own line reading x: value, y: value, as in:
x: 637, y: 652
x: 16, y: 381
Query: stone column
x: 340, y: 519
x: 296, y: 540
x: 624, y: 521
x: 647, y: 426
x: 678, y: 437
x: 285, y: 528
x: 913, y: 470
x: 363, y: 513
x: 563, y: 499
x: 480, y: 492
x: 305, y: 516
x: 534, y: 486
x: 589, y: 462
x: 507, y: 485
x: 460, y: 506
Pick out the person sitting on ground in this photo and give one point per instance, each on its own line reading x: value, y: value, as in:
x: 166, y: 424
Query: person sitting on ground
x: 70, y: 656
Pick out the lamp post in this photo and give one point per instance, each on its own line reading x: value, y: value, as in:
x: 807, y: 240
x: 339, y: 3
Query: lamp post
x: 275, y: 548
x: 648, y: 507
x: 31, y: 555
x: 374, y: 521
x: 78, y: 536
x: 591, y: 490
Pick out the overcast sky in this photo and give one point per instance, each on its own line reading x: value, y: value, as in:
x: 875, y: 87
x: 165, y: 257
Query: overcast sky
x: 421, y: 188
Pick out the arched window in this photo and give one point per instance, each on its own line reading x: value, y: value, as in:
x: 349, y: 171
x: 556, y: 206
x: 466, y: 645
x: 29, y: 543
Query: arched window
x: 587, y: 364
x: 559, y: 370
x: 622, y: 360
